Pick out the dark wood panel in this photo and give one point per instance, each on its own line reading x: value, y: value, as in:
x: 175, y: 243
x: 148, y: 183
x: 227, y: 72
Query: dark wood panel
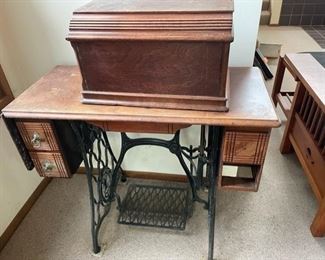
x: 152, y: 67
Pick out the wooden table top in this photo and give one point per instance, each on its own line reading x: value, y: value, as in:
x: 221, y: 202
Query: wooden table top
x: 310, y: 72
x: 57, y: 96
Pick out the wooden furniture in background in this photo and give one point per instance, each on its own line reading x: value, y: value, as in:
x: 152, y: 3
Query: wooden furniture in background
x: 6, y: 95
x: 154, y: 53
x: 305, y: 128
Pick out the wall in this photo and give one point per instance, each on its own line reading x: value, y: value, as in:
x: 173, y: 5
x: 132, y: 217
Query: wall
x: 246, y: 21
x: 32, y: 42
x: 276, y: 6
x: 303, y: 12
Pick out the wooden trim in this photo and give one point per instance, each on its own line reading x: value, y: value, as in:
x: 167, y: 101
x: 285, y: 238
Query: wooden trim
x: 7, y: 96
x: 10, y: 230
x: 201, y: 103
x: 145, y: 127
x: 148, y: 175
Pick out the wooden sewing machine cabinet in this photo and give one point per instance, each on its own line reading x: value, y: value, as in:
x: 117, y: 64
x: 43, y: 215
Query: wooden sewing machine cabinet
x: 55, y: 132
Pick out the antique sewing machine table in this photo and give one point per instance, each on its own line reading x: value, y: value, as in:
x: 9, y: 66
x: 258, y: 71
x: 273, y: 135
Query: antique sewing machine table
x: 54, y: 132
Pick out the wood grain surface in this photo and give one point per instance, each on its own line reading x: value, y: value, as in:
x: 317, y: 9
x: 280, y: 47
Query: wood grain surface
x: 57, y: 96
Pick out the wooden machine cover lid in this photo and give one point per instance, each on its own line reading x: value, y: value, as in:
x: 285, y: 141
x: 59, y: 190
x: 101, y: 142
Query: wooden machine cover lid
x: 189, y: 20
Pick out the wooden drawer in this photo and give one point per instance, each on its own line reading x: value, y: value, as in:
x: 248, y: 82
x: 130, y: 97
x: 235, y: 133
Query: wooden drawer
x: 245, y: 147
x: 50, y: 164
x: 51, y: 146
x: 309, y: 153
x: 38, y: 136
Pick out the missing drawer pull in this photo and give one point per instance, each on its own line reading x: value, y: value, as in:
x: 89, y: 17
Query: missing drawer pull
x: 308, y: 155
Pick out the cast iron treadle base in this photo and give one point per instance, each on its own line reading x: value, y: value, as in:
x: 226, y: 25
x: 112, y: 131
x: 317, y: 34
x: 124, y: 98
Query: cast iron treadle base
x: 156, y: 206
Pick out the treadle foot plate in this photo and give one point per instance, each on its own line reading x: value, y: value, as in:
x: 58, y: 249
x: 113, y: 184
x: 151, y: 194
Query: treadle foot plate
x: 156, y: 206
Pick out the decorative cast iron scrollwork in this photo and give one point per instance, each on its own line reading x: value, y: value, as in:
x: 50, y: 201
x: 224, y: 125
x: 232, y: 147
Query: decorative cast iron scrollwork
x: 100, y: 163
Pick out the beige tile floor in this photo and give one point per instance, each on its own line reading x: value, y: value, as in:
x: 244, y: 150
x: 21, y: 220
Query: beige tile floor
x: 270, y: 224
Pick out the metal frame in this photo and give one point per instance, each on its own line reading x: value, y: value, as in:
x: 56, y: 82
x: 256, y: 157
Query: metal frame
x: 104, y: 170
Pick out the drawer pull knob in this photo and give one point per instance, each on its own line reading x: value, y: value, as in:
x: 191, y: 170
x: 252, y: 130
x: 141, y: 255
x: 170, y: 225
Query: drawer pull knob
x: 48, y: 166
x: 36, y: 140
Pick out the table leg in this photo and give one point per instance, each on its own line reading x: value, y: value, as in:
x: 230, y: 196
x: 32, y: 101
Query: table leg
x: 104, y: 170
x: 318, y: 226
x: 201, y: 157
x: 100, y: 164
x: 278, y: 80
x: 215, y: 142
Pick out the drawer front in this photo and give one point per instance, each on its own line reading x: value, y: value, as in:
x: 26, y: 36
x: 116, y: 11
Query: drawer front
x: 242, y: 147
x: 38, y: 136
x: 50, y: 164
x: 312, y: 157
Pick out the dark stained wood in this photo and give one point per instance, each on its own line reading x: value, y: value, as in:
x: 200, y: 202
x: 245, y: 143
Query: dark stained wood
x: 154, y: 53
x: 57, y: 96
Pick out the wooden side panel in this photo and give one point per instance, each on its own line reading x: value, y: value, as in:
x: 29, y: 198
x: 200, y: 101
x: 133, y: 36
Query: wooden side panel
x: 41, y: 130
x: 165, y: 74
x: 178, y: 68
x: 310, y: 155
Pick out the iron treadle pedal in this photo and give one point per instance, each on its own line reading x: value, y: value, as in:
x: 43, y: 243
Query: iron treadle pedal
x: 156, y: 206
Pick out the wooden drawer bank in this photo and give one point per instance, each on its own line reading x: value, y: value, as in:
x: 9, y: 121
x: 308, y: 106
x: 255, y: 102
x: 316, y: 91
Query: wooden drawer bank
x: 51, y: 146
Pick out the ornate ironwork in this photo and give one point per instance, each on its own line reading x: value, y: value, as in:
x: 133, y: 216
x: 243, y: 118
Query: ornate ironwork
x: 156, y: 206
x: 104, y: 170
x: 100, y: 163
